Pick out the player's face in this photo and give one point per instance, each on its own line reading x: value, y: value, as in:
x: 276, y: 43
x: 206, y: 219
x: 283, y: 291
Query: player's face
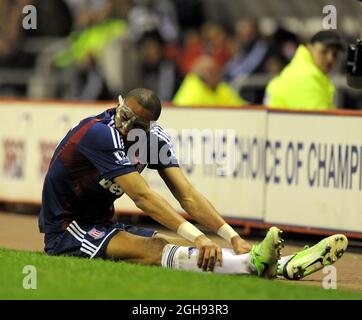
x: 324, y: 57
x: 133, y: 116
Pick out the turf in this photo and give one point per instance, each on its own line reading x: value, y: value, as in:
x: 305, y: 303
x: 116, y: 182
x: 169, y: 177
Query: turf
x: 76, y: 278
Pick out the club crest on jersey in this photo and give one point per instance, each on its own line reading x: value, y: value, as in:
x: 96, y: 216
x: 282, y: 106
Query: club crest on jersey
x: 96, y: 234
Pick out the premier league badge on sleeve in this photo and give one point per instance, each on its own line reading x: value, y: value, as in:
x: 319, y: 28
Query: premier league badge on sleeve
x: 96, y: 234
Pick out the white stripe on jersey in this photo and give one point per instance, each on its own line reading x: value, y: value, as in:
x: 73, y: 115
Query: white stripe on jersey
x: 111, y: 123
x: 159, y: 132
x: 119, y: 139
x: 114, y: 138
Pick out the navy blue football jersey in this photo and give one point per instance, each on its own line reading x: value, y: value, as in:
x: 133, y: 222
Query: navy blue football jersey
x: 79, y: 183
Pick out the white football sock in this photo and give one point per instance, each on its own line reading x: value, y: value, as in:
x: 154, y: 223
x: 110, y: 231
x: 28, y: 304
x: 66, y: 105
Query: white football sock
x: 185, y: 258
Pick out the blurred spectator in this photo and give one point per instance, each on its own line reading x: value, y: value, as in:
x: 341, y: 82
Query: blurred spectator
x: 89, y: 84
x: 158, y: 73
x: 54, y: 19
x: 154, y: 16
x: 192, y: 50
x: 86, y: 48
x: 212, y: 41
x: 250, y: 58
x: 90, y: 12
x: 215, y: 43
x: 203, y: 87
x: 12, y: 34
x: 284, y: 44
x: 304, y: 83
x: 91, y: 41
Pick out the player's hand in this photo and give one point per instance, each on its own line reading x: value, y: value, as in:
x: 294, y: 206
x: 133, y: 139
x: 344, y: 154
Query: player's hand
x: 239, y: 245
x: 210, y: 253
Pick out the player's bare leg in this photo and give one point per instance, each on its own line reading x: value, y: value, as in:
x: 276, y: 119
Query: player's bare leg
x: 132, y: 248
x: 157, y: 251
x: 174, y: 240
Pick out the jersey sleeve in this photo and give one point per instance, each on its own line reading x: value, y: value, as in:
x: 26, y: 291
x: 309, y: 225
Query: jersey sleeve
x: 103, y: 146
x: 165, y: 156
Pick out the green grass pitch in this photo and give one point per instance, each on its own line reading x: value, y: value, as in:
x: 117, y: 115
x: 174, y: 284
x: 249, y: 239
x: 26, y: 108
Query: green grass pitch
x: 76, y: 278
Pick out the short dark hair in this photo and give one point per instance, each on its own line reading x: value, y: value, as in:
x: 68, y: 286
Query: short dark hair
x: 147, y: 99
x: 329, y: 38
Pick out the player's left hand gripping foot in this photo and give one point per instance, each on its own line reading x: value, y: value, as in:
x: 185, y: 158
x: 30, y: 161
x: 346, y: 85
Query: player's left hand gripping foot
x: 310, y: 260
x: 265, y: 255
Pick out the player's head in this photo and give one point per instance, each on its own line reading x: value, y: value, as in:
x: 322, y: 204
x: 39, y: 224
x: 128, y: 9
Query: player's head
x: 138, y: 110
x: 324, y: 47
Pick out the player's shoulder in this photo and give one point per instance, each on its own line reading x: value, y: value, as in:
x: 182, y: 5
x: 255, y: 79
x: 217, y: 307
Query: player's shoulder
x: 104, y: 134
x: 160, y: 133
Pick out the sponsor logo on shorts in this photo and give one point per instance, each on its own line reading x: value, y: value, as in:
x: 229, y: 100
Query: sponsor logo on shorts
x: 96, y: 234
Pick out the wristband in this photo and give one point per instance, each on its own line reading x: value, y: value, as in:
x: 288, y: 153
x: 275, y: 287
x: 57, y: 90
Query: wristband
x: 188, y: 231
x: 226, y: 232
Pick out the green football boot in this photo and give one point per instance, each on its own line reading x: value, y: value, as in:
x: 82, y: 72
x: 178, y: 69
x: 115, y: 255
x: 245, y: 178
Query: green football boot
x: 265, y: 255
x: 312, y: 259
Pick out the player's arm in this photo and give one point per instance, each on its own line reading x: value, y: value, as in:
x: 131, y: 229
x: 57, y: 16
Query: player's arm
x: 199, y: 208
x: 103, y: 146
x: 134, y: 185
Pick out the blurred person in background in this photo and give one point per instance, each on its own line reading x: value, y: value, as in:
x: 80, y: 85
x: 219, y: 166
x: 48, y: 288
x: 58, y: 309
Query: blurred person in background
x: 157, y: 72
x: 87, y: 13
x: 11, y: 32
x: 284, y: 44
x: 54, y: 19
x: 104, y: 26
x: 89, y: 83
x: 250, y: 58
x: 304, y: 82
x: 17, y: 51
x: 98, y: 24
x: 211, y: 40
x: 204, y: 87
x: 216, y: 43
x: 190, y: 51
x: 154, y: 16
x: 13, y: 35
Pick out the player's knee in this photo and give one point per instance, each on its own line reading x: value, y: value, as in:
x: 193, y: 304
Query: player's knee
x: 156, y: 246
x: 159, y: 244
